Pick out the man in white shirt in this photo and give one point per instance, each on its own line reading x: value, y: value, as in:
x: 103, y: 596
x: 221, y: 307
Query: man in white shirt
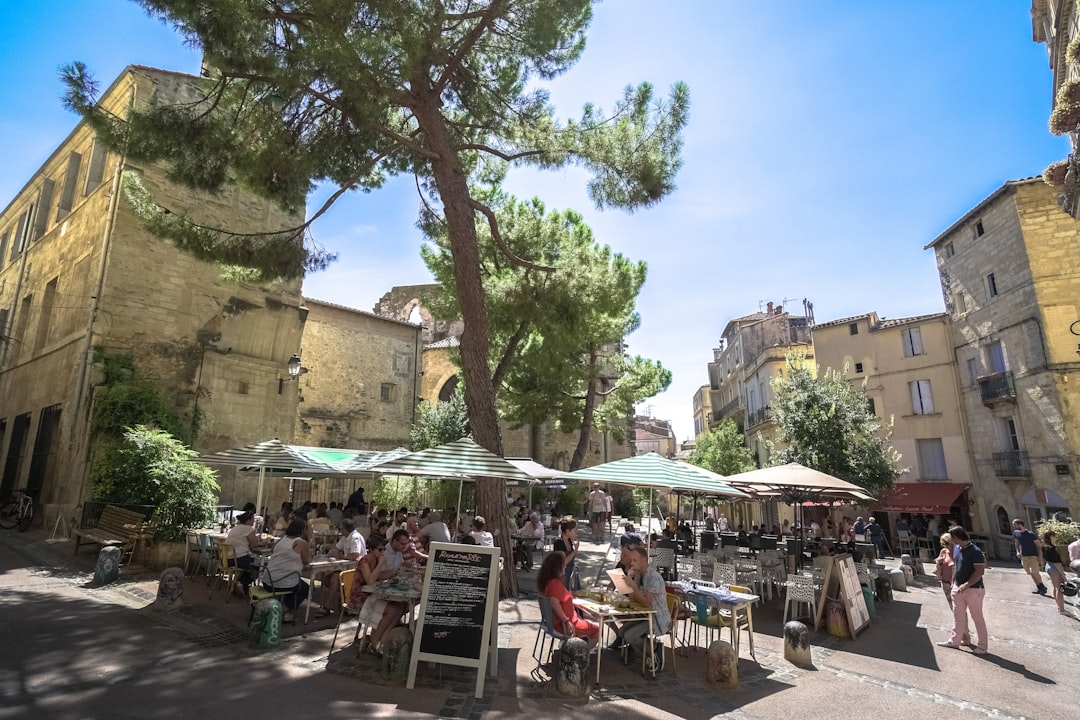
x: 609, y: 505
x: 1074, y: 556
x: 436, y: 530
x: 350, y: 546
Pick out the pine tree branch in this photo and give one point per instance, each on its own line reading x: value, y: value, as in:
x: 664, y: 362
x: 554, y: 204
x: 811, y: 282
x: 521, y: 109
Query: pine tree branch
x: 487, y: 17
x: 493, y: 224
x: 508, y: 354
x: 508, y: 157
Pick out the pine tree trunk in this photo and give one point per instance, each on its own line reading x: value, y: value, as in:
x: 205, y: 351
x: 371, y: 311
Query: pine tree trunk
x: 586, y: 418
x: 453, y: 187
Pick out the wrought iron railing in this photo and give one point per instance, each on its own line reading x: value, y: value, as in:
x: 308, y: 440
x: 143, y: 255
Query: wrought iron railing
x: 999, y: 386
x: 1012, y: 463
x: 758, y: 416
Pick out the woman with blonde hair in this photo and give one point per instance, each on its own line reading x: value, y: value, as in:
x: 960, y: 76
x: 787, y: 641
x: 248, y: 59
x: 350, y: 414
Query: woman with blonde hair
x: 946, y: 566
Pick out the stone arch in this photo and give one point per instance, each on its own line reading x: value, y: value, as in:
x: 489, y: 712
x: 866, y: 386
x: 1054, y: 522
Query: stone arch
x: 1004, y: 524
x: 448, y: 388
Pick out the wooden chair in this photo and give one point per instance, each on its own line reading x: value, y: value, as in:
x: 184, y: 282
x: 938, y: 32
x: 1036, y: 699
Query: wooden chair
x: 227, y: 571
x: 345, y: 583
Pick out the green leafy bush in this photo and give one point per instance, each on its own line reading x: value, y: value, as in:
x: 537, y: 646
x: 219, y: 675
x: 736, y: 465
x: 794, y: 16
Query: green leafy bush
x: 1065, y: 531
x: 151, y: 467
x: 570, y: 501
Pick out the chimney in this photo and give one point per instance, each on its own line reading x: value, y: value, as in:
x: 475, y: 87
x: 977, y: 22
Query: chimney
x: 768, y: 311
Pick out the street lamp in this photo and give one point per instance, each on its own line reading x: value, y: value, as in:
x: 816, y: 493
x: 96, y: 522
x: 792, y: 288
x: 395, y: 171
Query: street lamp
x: 295, y: 371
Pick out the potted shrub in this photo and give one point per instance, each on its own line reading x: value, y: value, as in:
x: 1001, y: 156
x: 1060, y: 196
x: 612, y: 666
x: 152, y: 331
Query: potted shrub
x: 151, y: 467
x: 1072, y: 51
x: 1065, y: 117
x: 1065, y: 533
x: 1054, y: 174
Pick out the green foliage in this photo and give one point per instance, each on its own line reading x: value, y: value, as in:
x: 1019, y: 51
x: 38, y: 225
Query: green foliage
x: 624, y: 505
x: 1065, y: 530
x: 135, y: 402
x: 415, y: 493
x: 570, y: 501
x: 150, y: 467
x: 826, y: 424
x: 438, y: 423
x: 723, y: 450
x: 557, y: 319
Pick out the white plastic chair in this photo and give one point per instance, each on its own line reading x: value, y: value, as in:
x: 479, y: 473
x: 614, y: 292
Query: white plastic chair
x: 724, y: 575
x: 800, y: 591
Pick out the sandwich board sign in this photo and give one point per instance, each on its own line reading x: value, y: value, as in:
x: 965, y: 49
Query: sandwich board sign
x: 842, y: 567
x: 459, y: 610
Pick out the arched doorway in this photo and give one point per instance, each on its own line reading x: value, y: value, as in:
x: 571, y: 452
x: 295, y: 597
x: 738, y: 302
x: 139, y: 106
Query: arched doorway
x: 448, y: 389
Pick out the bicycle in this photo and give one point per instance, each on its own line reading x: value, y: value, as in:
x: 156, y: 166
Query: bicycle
x: 19, y: 511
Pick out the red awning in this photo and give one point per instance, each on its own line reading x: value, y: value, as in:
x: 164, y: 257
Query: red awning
x: 922, y: 497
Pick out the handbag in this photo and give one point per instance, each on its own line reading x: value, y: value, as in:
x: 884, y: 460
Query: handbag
x: 1070, y: 588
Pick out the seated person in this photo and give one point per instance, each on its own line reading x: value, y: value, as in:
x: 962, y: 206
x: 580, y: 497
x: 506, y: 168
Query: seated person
x: 291, y: 554
x: 259, y: 520
x: 366, y: 575
x: 650, y: 591
x: 564, y: 617
x: 321, y: 524
x: 243, y: 539
x: 390, y: 565
x: 435, y: 530
x: 629, y: 536
x: 351, y: 546
x: 482, y: 537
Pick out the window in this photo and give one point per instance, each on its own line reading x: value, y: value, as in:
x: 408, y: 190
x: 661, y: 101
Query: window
x: 858, y: 368
x: 3, y: 244
x: 41, y: 220
x: 1003, y: 521
x: 912, y: 341
x: 931, y: 454
x: 949, y: 250
x: 991, y: 285
x: 16, y: 447
x: 973, y: 370
x: 870, y: 406
x: 1010, y: 440
x: 997, y: 357
x: 47, y: 301
x: 853, y: 328
x: 959, y: 302
x: 96, y: 172
x: 67, y: 193
x: 22, y: 231
x: 22, y: 319
x: 241, y: 387
x: 978, y: 229
x: 921, y: 402
x: 386, y: 392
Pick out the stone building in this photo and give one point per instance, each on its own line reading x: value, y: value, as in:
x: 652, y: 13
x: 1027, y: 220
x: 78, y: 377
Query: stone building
x: 1008, y: 276
x: 702, y: 410
x: 362, y: 388
x: 81, y: 283
x: 440, y: 378
x: 652, y: 435
x: 1056, y: 23
x: 752, y: 351
x: 907, y: 370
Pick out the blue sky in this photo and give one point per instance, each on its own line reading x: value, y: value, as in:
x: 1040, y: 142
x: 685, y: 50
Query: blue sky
x: 828, y: 143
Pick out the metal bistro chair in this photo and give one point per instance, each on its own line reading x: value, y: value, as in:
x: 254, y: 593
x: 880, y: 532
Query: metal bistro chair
x: 544, y: 631
x: 738, y: 620
x: 346, y: 578
x: 800, y: 591
x: 257, y: 593
x: 205, y: 560
x: 724, y: 574
x: 664, y: 560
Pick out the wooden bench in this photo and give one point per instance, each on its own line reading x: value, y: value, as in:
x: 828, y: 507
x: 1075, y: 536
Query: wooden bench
x: 116, y: 526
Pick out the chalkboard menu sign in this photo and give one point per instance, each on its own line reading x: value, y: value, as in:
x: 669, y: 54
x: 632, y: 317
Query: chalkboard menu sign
x: 458, y: 609
x: 842, y: 567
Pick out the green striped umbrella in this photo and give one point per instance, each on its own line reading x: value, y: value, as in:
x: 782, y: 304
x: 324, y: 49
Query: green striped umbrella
x: 364, y: 460
x: 272, y: 455
x: 460, y: 459
x: 655, y: 471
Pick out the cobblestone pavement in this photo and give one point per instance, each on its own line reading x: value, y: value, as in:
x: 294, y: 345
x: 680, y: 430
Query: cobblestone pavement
x: 893, y: 668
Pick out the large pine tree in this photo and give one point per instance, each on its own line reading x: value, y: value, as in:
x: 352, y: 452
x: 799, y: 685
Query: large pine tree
x: 348, y: 93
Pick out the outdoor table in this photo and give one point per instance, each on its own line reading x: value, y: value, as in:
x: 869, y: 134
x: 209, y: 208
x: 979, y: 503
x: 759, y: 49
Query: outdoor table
x: 723, y: 598
x: 320, y: 568
x: 393, y: 593
x: 603, y: 613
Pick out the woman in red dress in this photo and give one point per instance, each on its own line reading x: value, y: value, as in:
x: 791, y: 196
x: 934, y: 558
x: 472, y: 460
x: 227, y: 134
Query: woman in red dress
x: 564, y: 616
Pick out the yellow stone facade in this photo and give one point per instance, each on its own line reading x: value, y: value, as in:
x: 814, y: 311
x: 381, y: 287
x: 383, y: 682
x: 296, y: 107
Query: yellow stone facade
x: 80, y: 278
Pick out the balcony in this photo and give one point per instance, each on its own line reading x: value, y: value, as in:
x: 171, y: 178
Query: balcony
x: 728, y: 410
x: 996, y: 388
x: 1012, y: 463
x: 758, y: 416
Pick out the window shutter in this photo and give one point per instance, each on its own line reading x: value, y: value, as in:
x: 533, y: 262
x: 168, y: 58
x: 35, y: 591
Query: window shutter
x: 41, y: 219
x: 96, y: 172
x: 71, y: 179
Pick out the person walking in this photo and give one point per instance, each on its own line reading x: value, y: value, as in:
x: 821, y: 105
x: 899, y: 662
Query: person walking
x: 597, y: 506
x: 1029, y: 554
x: 968, y: 592
x: 1054, y: 568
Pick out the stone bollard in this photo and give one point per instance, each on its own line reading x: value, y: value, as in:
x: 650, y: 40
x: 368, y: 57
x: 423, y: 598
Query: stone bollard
x: 797, y: 644
x: 170, y: 592
x: 572, y: 669
x: 723, y: 665
x: 265, y: 627
x: 898, y: 579
x: 107, y: 569
x: 397, y: 652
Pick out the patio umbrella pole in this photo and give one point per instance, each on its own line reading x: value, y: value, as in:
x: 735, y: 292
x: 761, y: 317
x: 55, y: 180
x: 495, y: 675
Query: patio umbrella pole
x: 461, y: 487
x: 262, y: 477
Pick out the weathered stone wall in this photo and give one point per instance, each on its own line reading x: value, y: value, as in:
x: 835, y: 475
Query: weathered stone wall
x: 206, y: 343
x: 400, y: 302
x: 352, y: 356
